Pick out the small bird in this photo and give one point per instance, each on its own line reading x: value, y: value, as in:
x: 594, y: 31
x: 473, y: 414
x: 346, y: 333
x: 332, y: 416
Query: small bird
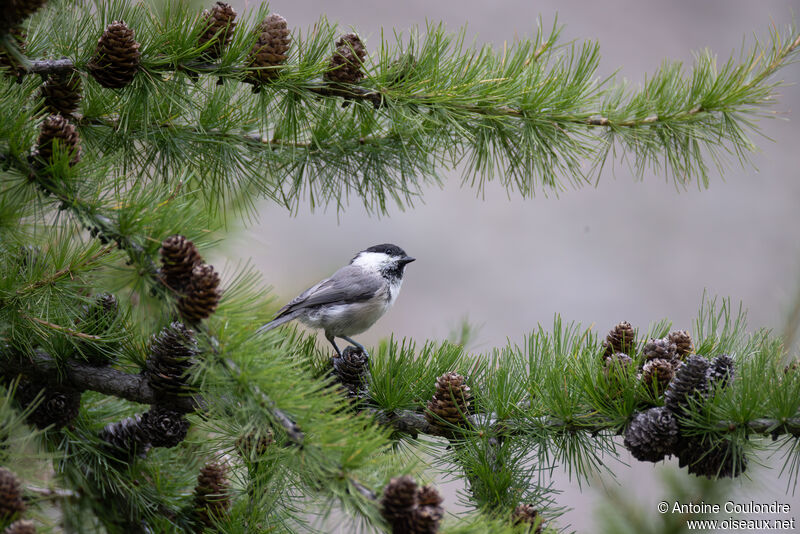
x: 351, y: 300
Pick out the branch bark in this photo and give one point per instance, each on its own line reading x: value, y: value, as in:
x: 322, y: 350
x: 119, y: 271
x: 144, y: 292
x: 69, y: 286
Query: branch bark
x: 83, y: 376
x: 410, y: 422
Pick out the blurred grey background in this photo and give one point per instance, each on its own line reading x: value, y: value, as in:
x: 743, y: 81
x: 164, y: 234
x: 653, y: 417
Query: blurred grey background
x: 622, y: 250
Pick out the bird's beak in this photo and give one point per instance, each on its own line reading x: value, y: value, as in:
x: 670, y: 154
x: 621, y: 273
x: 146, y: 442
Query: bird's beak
x: 407, y: 259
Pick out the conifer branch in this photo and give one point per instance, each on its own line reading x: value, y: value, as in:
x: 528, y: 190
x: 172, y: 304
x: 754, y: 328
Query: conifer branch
x: 81, y: 376
x: 63, y: 272
x: 99, y: 225
x: 413, y: 423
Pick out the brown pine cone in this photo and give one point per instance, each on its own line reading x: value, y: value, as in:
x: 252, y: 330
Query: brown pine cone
x: 57, y: 406
x: 179, y: 257
x: 202, y: 296
x: 617, y: 364
x: 171, y: 358
x: 683, y: 343
x: 116, y: 58
x: 11, y: 503
x: 401, y: 68
x: 218, y: 25
x: 345, y: 64
x: 652, y: 435
x: 126, y: 438
x: 451, y: 401
x: 269, y: 50
x: 16, y: 11
x: 351, y: 368
x: 21, y: 526
x: 621, y: 338
x: 397, y: 502
x: 690, y: 382
x: 164, y: 427
x: 656, y: 375
x: 62, y: 93
x: 659, y: 348
x: 527, y: 513
x: 711, y: 459
x: 58, y: 131
x: 428, y: 512
x: 255, y: 444
x: 212, y: 497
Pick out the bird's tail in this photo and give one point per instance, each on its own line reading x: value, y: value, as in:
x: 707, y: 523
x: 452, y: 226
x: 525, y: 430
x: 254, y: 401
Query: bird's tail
x: 275, y: 323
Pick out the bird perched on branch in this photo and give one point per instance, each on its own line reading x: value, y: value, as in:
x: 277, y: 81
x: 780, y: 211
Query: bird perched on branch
x: 351, y: 300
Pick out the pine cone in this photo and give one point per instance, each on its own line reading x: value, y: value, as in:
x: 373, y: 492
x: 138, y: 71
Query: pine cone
x: 616, y: 365
x: 22, y: 526
x: 659, y: 348
x: 15, y: 11
x: 58, y: 405
x: 690, y: 381
x: 62, y: 93
x: 656, y: 375
x: 11, y: 503
x: 652, y: 434
x: 428, y: 512
x: 100, y: 317
x: 683, y: 343
x: 179, y: 257
x: 269, y: 51
x: 345, y: 64
x: 401, y: 68
x: 116, y: 58
x: 164, y: 427
x: 126, y: 438
x: 58, y: 131
x: 721, y: 370
x: 426, y: 519
x: 615, y: 369
x: 171, y: 357
x: 202, y: 296
x: 621, y: 338
x: 451, y: 401
x: 397, y: 503
x: 527, y: 513
x: 212, y: 494
x: 719, y: 460
x: 351, y: 368
x: 218, y: 26
x: 8, y: 61
x: 255, y: 444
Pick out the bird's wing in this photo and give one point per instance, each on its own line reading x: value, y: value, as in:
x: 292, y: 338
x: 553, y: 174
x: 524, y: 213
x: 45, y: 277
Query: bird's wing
x: 348, y: 284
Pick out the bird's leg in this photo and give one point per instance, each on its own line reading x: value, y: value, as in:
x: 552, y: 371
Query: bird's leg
x: 330, y: 338
x: 356, y: 344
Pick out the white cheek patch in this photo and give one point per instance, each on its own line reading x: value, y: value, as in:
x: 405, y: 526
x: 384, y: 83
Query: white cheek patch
x: 371, y: 261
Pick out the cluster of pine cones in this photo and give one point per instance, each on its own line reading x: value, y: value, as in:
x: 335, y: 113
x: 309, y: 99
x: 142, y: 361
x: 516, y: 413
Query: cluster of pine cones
x: 660, y: 358
x: 670, y: 369
x: 185, y: 273
x: 410, y: 509
x: 168, y: 368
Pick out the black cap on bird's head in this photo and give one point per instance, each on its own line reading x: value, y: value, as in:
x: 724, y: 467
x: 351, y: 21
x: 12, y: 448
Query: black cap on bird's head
x: 397, y: 255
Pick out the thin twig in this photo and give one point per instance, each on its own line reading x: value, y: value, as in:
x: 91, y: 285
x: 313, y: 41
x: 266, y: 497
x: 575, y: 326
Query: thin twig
x: 411, y: 422
x: 63, y: 272
x: 59, y: 328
